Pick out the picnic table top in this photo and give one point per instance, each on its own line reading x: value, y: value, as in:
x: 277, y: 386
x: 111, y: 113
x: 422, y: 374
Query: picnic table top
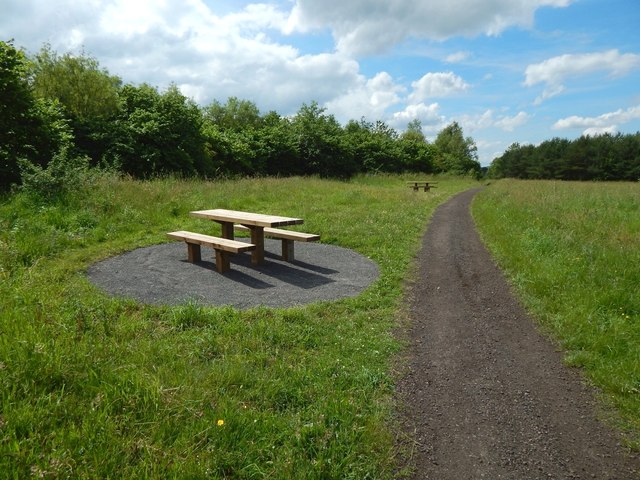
x: 246, y: 218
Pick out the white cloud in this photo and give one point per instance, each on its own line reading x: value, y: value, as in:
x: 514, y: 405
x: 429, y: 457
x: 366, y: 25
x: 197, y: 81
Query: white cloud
x: 487, y: 119
x: 457, y: 57
x: 373, y: 26
x: 555, y: 71
x: 434, y: 85
x: 185, y: 42
x: 471, y: 123
x: 595, y: 131
x: 509, y: 124
x: 607, y: 122
x: 429, y: 115
x: 369, y: 98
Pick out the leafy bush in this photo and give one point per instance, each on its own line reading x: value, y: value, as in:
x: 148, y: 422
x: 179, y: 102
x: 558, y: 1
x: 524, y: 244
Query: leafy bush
x: 64, y: 174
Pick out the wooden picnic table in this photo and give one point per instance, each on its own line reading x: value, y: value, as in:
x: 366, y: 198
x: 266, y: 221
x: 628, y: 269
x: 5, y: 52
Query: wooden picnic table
x: 256, y: 222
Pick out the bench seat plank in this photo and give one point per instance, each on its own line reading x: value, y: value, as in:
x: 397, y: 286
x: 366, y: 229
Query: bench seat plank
x: 286, y: 234
x: 287, y: 237
x: 222, y: 246
x: 232, y: 246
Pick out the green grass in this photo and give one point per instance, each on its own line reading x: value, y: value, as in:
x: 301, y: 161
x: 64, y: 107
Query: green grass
x: 572, y: 251
x: 95, y: 387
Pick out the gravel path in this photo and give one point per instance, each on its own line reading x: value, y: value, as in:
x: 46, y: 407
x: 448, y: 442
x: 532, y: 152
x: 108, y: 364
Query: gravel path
x: 161, y: 275
x: 485, y: 396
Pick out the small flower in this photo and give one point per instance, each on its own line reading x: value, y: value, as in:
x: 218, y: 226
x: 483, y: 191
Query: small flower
x: 220, y: 422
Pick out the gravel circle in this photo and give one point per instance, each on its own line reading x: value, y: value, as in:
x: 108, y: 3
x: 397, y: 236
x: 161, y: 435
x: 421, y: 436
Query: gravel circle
x: 485, y: 395
x: 161, y: 275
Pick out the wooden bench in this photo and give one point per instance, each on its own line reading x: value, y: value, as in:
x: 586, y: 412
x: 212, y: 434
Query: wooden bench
x: 222, y: 246
x: 416, y: 185
x: 287, y: 237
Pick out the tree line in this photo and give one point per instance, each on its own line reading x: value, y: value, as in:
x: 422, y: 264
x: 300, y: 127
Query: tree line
x: 66, y: 106
x: 601, y: 157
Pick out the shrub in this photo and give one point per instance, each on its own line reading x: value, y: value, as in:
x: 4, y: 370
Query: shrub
x: 64, y: 174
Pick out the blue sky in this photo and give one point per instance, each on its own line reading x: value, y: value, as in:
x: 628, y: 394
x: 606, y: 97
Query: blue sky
x: 507, y: 71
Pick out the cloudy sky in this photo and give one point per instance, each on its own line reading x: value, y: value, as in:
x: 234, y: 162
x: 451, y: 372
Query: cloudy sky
x: 506, y: 70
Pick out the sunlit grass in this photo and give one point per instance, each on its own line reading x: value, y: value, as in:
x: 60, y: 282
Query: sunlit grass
x: 572, y: 251
x: 95, y: 387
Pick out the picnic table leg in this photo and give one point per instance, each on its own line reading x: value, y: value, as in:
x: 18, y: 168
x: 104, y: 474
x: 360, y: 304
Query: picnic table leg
x: 257, y: 238
x: 227, y: 230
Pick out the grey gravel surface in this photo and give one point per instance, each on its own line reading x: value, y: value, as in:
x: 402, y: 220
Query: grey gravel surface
x: 161, y: 275
x: 485, y: 395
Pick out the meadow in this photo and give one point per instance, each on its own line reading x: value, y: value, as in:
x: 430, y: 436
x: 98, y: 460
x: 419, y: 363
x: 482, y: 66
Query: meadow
x: 98, y: 387
x: 572, y: 252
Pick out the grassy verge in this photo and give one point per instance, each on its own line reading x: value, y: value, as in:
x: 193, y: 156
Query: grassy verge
x: 572, y: 251
x: 95, y: 387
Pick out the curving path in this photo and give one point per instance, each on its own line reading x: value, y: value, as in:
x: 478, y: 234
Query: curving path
x: 485, y: 395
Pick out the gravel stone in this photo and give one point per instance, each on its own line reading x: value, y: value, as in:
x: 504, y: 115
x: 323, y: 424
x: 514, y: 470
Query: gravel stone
x: 161, y: 275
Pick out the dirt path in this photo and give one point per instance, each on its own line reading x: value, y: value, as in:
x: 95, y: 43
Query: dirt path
x: 486, y: 396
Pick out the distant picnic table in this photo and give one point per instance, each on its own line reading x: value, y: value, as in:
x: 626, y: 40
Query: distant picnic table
x: 424, y: 184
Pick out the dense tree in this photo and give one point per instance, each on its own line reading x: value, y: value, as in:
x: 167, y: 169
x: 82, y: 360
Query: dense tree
x: 457, y: 153
x: 320, y: 144
x: 602, y: 157
x: 30, y: 129
x: 234, y: 115
x: 373, y: 146
x: 77, y: 82
x: 276, y: 147
x: 159, y: 133
x: 88, y: 94
x: 67, y: 105
x: 419, y: 155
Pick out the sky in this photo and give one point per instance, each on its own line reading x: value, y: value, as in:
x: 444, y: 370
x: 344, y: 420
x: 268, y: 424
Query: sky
x: 507, y: 71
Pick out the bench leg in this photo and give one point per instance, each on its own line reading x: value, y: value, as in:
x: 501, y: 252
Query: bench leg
x: 193, y: 252
x: 287, y: 250
x: 223, y: 263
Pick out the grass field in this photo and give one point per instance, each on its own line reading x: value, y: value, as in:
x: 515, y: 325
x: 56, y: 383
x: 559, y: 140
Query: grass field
x: 94, y: 387
x: 572, y: 251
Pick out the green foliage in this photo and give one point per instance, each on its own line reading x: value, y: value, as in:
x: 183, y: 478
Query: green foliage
x: 374, y: 145
x: 603, y: 157
x: 16, y: 111
x: 572, y: 251
x: 458, y: 155
x: 86, y: 91
x: 30, y: 129
x: 234, y: 115
x: 97, y: 387
x: 418, y: 153
x: 159, y: 133
x: 88, y: 95
x: 320, y: 144
x: 68, y: 101
x: 65, y: 174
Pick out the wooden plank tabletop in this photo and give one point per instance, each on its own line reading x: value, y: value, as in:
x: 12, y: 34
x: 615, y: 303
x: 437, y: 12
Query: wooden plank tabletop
x: 246, y: 218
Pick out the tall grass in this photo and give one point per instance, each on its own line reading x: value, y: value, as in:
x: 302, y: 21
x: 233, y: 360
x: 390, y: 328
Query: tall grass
x: 96, y: 387
x: 572, y: 251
